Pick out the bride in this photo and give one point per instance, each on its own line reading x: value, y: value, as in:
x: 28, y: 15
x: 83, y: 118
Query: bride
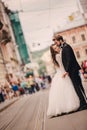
x: 62, y: 96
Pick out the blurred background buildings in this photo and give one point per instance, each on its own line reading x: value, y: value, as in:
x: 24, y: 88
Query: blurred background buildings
x: 16, y: 55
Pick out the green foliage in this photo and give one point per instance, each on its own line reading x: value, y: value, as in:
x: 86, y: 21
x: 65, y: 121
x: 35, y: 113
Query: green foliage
x: 38, y: 54
x: 42, y: 68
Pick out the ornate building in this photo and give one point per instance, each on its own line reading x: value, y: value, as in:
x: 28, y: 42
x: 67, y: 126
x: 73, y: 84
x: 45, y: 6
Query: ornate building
x: 9, y: 62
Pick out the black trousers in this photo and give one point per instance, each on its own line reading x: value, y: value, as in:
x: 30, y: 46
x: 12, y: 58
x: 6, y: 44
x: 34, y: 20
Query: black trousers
x: 77, y: 83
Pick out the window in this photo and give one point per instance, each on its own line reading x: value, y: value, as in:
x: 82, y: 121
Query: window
x: 83, y: 37
x: 78, y: 54
x: 73, y: 39
x: 86, y: 51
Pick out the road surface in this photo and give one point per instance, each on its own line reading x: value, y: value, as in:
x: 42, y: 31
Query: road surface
x: 29, y: 113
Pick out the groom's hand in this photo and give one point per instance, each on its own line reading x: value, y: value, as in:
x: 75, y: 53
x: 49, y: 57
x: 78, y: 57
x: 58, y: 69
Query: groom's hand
x: 64, y: 75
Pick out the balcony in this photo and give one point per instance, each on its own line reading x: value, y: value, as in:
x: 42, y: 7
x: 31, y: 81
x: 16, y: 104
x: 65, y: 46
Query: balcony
x: 15, y: 60
x: 4, y: 37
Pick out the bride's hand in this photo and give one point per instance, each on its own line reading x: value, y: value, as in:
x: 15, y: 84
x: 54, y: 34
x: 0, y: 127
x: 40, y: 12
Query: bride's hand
x: 64, y: 75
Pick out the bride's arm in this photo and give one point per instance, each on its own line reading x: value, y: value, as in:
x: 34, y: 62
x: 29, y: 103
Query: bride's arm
x: 64, y: 75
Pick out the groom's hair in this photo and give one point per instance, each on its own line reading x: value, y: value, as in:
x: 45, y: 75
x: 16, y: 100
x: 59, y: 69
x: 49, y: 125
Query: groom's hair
x: 58, y: 37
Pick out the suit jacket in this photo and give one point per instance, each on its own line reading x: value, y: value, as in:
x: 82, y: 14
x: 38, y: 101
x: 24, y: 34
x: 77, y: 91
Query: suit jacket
x: 68, y: 59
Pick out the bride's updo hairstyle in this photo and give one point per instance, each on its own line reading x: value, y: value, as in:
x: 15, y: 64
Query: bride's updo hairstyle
x: 58, y: 37
x: 53, y: 55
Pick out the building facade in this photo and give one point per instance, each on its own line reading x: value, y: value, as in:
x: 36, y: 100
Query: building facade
x: 19, y: 37
x: 9, y: 62
x: 77, y: 38
x: 3, y: 37
x: 82, y: 4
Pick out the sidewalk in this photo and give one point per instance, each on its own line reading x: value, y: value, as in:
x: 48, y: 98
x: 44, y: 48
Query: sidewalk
x: 74, y: 121
x: 7, y: 103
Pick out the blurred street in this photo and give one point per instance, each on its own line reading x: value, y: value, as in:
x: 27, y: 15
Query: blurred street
x: 29, y: 63
x: 29, y: 113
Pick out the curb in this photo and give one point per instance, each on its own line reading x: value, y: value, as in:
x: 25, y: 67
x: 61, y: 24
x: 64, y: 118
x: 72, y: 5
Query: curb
x: 9, y: 104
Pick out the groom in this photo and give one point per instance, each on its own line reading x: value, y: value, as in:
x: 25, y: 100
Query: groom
x: 71, y: 67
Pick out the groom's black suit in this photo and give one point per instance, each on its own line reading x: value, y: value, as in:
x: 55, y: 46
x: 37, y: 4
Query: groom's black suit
x: 72, y: 67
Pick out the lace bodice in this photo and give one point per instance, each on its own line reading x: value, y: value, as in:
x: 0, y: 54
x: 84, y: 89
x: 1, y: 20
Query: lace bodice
x: 59, y: 60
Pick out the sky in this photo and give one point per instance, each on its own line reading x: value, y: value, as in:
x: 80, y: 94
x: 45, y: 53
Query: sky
x: 41, y: 18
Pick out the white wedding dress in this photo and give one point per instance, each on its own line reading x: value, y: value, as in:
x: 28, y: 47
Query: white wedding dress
x: 62, y: 96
